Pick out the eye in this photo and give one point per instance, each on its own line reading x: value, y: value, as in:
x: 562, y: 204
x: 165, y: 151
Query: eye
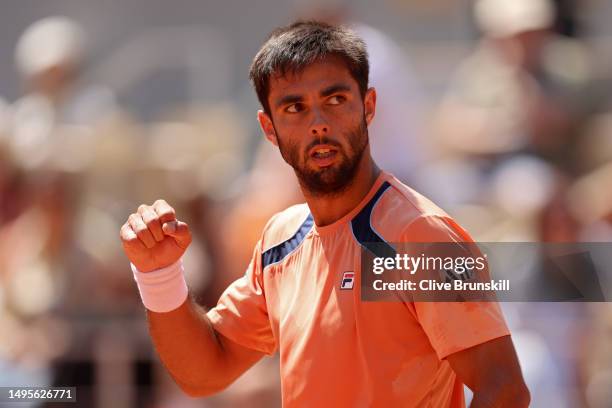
x: 294, y: 108
x: 336, y: 100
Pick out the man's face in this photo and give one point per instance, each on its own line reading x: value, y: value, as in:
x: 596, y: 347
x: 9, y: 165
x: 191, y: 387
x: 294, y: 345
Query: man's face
x: 319, y: 122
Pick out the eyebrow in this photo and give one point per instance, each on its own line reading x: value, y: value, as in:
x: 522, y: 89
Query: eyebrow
x: 330, y: 90
x: 288, y: 99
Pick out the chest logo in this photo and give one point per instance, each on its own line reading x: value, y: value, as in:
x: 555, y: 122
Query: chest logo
x: 348, y: 280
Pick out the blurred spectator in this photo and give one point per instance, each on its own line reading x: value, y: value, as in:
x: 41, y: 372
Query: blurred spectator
x: 514, y: 115
x: 524, y: 87
x: 48, y: 123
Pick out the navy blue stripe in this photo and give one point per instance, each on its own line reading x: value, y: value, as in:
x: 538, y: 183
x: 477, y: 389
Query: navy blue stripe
x: 279, y: 252
x: 363, y: 231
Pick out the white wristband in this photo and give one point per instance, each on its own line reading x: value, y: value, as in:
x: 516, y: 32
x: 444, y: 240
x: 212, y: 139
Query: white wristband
x: 162, y: 290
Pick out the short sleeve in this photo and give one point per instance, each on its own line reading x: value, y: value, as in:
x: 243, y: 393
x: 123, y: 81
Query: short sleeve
x: 241, y: 314
x: 453, y: 326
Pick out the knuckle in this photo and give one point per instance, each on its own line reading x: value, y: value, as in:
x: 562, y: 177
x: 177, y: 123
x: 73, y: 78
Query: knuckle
x: 162, y: 206
x: 141, y: 231
x: 149, y: 217
x: 168, y: 213
x: 130, y: 241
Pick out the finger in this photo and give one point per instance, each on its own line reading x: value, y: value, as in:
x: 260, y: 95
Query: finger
x: 164, y: 211
x: 141, y: 230
x: 150, y: 218
x: 179, y: 231
x: 129, y: 238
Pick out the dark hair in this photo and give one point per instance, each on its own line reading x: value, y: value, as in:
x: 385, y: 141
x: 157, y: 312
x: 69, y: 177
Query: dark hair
x: 292, y: 48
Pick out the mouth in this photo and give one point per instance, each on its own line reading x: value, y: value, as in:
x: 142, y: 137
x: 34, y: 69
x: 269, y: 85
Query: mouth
x: 323, y: 155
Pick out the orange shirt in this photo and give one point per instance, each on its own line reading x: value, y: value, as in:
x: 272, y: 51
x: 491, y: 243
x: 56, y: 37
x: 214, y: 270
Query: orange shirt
x: 335, y: 350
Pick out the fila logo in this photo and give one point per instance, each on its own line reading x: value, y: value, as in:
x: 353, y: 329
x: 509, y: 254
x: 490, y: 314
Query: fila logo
x: 348, y: 279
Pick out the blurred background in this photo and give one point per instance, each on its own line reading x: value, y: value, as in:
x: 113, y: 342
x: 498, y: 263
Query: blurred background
x: 498, y: 110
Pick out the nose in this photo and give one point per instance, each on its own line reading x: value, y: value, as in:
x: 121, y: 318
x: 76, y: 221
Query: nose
x: 319, y: 130
x: 319, y: 127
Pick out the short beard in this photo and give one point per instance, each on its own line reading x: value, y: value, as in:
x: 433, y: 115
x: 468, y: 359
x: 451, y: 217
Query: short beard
x: 329, y: 181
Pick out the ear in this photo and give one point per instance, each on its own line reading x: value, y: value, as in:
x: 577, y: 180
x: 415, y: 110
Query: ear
x: 369, y: 105
x: 265, y: 122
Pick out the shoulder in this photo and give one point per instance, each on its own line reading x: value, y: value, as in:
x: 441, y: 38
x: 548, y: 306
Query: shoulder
x: 285, y: 225
x: 402, y: 214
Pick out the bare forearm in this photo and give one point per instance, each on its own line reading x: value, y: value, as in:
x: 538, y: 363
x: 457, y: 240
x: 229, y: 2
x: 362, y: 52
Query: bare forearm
x: 200, y: 360
x: 189, y: 348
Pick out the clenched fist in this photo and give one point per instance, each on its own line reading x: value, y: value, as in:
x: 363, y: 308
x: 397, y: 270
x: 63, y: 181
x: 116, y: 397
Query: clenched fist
x: 153, y: 238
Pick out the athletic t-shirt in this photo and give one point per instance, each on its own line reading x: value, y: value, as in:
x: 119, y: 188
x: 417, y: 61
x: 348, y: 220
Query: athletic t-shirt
x: 335, y: 350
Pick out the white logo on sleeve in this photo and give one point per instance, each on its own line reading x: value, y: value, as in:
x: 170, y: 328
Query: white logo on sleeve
x: 348, y: 280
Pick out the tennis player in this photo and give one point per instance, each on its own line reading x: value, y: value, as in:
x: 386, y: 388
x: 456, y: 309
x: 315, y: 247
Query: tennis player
x: 300, y: 294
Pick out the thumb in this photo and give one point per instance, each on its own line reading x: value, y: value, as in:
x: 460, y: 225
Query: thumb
x: 179, y: 231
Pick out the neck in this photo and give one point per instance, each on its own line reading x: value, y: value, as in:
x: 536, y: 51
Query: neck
x: 328, y: 209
